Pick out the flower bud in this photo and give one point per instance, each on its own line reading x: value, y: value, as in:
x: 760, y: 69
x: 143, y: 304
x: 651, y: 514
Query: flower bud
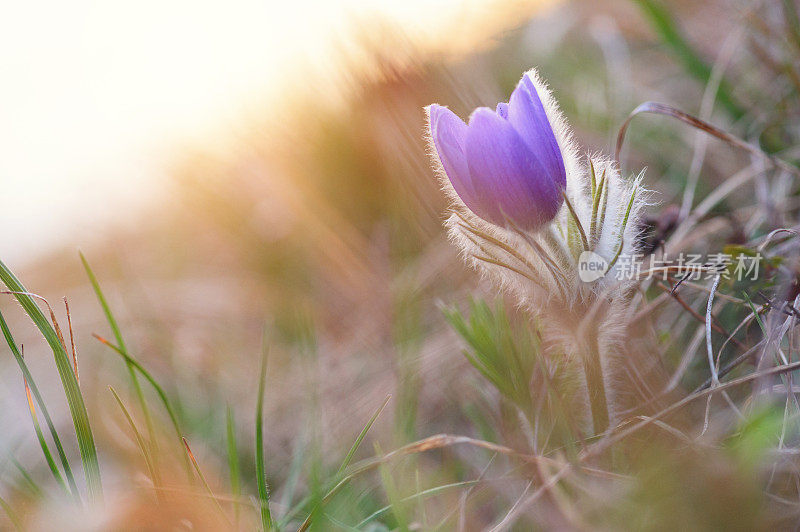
x: 505, y: 165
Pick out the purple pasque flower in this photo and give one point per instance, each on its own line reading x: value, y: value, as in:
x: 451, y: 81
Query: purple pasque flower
x: 505, y: 164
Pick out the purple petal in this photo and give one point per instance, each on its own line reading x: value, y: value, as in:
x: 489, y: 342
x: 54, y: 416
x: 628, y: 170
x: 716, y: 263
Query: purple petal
x: 527, y: 115
x: 510, y: 182
x: 448, y: 132
x: 502, y: 110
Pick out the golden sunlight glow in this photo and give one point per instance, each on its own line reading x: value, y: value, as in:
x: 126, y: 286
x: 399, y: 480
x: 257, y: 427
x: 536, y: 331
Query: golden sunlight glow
x: 96, y: 94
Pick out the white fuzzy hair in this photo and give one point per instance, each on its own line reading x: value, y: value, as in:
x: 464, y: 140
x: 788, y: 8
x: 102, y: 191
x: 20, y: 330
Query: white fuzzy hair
x: 540, y: 268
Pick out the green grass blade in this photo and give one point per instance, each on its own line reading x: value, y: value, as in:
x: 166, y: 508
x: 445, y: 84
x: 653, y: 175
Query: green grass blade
x: 159, y: 391
x: 112, y: 322
x: 203, y: 480
x: 233, y: 461
x: 263, y: 488
x: 419, y: 496
x: 77, y: 407
x: 28, y: 480
x: 361, y: 436
x: 40, y: 401
x: 755, y: 313
x: 340, y: 473
x: 51, y: 463
x: 397, y: 505
x: 140, y: 443
x: 12, y: 515
x: 341, y: 525
x: 293, y: 476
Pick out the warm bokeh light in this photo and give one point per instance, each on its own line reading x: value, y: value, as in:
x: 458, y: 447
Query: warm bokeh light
x: 95, y: 95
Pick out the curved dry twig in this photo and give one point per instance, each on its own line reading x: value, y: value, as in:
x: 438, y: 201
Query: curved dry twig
x: 686, y: 118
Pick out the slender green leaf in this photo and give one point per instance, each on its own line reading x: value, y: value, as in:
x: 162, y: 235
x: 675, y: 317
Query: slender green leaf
x: 420, y: 495
x: 263, y: 488
x: 77, y: 407
x: 203, y: 480
x: 292, y: 478
x: 233, y: 460
x: 159, y: 391
x: 396, y: 503
x: 33, y: 487
x: 51, y: 463
x: 346, y: 462
x: 361, y: 436
x: 112, y: 322
x: 40, y: 401
x: 12, y: 516
x: 140, y: 443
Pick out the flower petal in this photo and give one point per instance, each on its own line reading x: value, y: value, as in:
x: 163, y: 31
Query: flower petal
x: 502, y: 110
x: 509, y: 180
x: 448, y: 131
x: 526, y: 113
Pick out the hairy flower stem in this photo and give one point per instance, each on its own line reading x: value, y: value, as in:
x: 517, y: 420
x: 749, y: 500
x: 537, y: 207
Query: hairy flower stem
x: 595, y: 382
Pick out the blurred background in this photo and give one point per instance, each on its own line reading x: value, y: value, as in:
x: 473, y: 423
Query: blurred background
x: 249, y: 172
x: 112, y: 91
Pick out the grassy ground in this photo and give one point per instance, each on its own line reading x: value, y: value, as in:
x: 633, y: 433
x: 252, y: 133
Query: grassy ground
x: 282, y: 344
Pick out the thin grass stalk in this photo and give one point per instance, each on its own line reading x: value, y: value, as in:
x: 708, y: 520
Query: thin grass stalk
x: 72, y: 342
x: 161, y: 395
x: 263, y: 488
x: 360, y: 438
x: 395, y: 501
x: 292, y: 476
x: 77, y: 406
x: 42, y: 442
x: 34, y: 488
x: 40, y: 401
x: 204, y: 481
x: 595, y: 381
x: 112, y: 322
x: 143, y: 447
x: 430, y: 443
x: 668, y: 110
x: 603, y: 444
x: 12, y: 515
x: 233, y: 462
x: 347, y: 459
